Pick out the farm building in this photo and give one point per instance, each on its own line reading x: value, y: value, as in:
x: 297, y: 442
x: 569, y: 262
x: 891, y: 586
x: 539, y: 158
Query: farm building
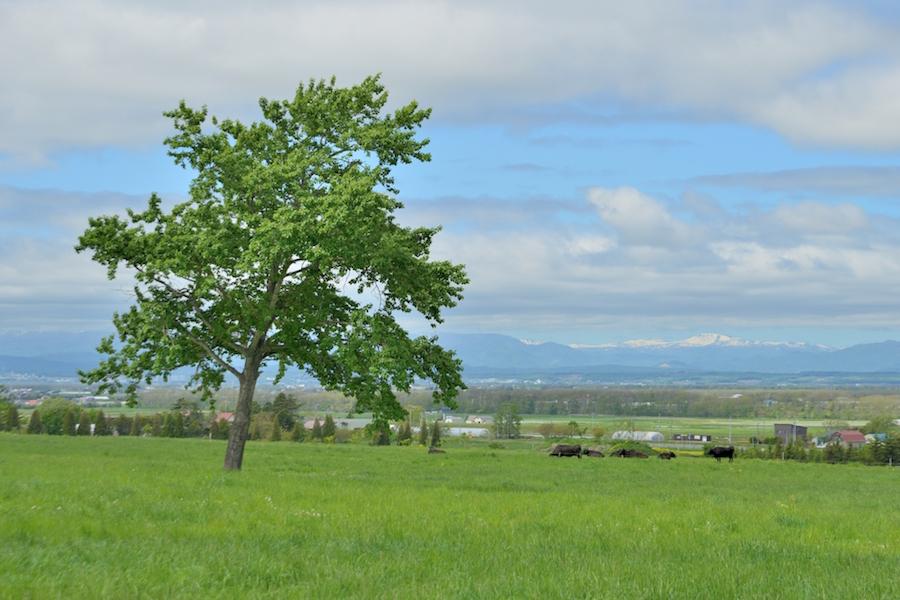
x: 638, y: 436
x: 478, y: 420
x: 790, y: 433
x: 692, y: 437
x: 225, y: 416
x: 848, y: 438
x: 350, y: 423
x: 342, y: 424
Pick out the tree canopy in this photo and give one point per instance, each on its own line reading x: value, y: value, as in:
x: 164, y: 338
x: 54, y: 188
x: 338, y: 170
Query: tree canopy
x: 284, y: 407
x: 286, y: 252
x: 507, y: 422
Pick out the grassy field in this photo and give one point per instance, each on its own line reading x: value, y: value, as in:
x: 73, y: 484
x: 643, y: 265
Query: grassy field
x: 135, y: 517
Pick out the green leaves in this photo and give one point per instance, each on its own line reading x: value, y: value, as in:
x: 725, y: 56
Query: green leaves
x: 289, y: 225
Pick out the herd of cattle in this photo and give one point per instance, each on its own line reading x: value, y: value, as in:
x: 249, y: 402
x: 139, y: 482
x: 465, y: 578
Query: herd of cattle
x: 719, y: 452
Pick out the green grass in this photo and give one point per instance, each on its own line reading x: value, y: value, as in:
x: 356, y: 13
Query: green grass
x: 134, y: 517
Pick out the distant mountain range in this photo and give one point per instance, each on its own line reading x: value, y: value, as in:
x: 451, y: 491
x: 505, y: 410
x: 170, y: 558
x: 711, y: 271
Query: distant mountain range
x: 487, y: 356
x: 703, y: 353
x: 47, y: 354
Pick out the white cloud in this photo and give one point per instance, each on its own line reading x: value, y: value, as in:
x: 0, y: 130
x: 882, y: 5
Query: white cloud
x: 44, y: 284
x: 639, y: 219
x: 585, y: 245
x: 815, y: 217
x: 793, y: 264
x: 869, y: 181
x: 98, y: 72
x: 855, y: 108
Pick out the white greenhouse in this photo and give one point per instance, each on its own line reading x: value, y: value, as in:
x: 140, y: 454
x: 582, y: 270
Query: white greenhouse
x: 638, y: 436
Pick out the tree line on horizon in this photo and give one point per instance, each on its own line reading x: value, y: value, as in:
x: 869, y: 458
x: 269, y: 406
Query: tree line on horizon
x: 669, y: 402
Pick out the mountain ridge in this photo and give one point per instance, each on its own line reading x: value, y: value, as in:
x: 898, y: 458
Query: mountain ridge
x: 705, y: 352
x: 45, y: 354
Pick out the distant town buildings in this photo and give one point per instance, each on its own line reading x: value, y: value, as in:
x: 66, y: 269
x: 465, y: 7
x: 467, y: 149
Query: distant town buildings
x: 691, y: 437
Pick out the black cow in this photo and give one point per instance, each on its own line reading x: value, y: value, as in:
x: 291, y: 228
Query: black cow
x: 720, y: 452
x: 628, y: 453
x: 667, y: 455
x: 566, y: 450
x: 592, y: 452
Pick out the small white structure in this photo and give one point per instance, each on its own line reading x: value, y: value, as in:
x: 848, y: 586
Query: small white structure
x: 478, y: 420
x: 468, y: 431
x: 639, y: 436
x: 93, y: 427
x: 821, y: 441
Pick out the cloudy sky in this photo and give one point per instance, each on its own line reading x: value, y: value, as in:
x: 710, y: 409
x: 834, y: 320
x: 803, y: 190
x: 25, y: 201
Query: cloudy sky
x: 607, y: 170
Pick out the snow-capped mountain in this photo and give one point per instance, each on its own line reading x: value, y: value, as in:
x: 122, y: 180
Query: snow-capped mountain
x: 708, y: 352
x: 702, y: 340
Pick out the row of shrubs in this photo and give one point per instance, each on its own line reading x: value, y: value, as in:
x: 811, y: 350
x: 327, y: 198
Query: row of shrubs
x: 375, y: 433
x: 61, y: 417
x: 83, y: 421
x: 571, y: 429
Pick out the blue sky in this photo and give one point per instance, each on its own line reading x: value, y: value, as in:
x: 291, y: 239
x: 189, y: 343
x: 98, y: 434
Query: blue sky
x: 606, y: 172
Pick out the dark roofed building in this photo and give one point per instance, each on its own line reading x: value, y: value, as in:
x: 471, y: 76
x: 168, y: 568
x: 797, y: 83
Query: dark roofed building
x: 790, y: 433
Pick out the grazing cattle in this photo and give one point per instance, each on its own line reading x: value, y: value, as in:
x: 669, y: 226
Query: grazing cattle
x: 720, y: 452
x: 434, y: 450
x: 566, y: 450
x: 592, y: 452
x: 628, y: 453
x: 667, y: 455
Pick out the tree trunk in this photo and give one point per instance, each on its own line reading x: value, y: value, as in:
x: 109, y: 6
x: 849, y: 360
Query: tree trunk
x: 237, y: 436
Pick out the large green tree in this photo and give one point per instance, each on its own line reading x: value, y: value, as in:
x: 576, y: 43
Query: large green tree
x: 285, y: 408
x: 329, y: 428
x: 53, y: 413
x: 287, y: 251
x: 508, y: 423
x: 34, y: 423
x: 9, y: 414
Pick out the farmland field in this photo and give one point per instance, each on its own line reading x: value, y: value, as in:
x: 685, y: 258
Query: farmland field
x: 740, y: 429
x: 132, y: 517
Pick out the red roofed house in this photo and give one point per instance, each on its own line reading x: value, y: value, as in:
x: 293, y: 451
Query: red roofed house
x: 848, y: 438
x: 225, y: 416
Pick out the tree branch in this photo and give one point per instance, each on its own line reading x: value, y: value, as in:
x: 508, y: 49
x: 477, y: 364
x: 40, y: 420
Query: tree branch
x: 229, y: 343
x: 209, y: 351
x: 298, y: 270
